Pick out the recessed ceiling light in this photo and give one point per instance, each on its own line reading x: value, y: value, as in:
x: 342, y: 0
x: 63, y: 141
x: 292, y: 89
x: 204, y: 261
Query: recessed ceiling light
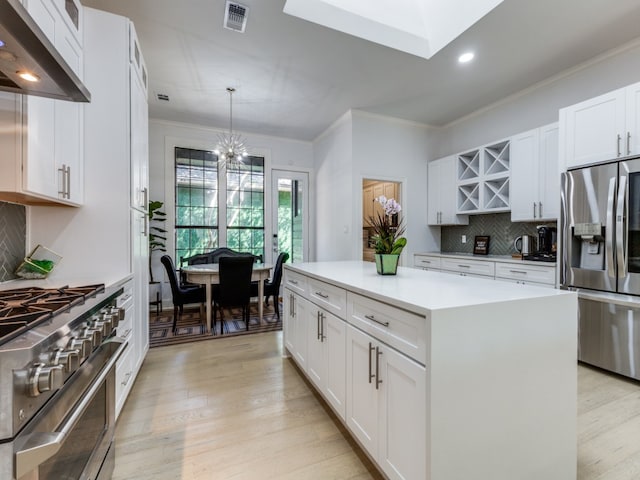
x: 466, y: 57
x: 28, y: 76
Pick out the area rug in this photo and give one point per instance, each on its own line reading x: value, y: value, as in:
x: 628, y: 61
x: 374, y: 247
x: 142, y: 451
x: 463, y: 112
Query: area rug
x: 191, y: 328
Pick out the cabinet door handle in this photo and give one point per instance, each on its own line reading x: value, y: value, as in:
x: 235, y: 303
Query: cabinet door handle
x: 62, y: 190
x: 540, y: 209
x: 322, y: 335
x: 69, y: 181
x: 373, y: 319
x: 145, y: 197
x: 295, y: 307
x: 318, y: 326
x: 618, y: 144
x: 378, y: 381
x: 322, y: 295
x: 534, y: 209
x: 371, y: 349
x: 628, y: 143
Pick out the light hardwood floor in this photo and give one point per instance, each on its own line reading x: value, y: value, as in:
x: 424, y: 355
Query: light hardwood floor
x: 235, y: 409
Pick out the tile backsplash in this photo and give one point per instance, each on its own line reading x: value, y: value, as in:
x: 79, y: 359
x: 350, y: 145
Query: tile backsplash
x: 497, y: 225
x: 13, y: 233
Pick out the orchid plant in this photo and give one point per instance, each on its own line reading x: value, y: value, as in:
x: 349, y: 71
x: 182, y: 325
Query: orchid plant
x: 388, y: 238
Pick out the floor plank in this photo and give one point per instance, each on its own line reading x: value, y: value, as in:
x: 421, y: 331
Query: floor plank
x: 235, y: 409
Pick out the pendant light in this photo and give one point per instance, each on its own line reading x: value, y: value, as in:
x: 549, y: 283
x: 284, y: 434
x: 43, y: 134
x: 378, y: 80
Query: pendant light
x: 231, y: 149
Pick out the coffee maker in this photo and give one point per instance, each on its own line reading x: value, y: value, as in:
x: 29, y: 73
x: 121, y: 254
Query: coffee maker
x: 546, y: 244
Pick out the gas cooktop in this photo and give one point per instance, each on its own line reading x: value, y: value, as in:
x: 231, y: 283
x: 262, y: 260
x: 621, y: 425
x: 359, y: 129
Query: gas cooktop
x: 22, y: 309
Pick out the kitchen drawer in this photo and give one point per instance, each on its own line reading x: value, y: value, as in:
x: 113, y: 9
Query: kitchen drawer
x: 126, y: 298
x: 526, y: 273
x: 405, y: 331
x: 295, y: 282
x: 327, y: 296
x: 426, y: 262
x: 471, y: 267
x: 124, y: 376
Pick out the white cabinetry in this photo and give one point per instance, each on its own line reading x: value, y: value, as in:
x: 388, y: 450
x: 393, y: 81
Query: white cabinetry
x: 441, y: 193
x: 427, y: 262
x: 296, y: 327
x: 601, y: 128
x: 47, y: 165
x: 525, y: 274
x: 387, y: 405
x: 119, y: 107
x: 535, y: 175
x: 464, y: 267
x: 483, y: 179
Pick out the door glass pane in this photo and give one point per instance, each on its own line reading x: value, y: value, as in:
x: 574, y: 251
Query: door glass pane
x: 290, y: 218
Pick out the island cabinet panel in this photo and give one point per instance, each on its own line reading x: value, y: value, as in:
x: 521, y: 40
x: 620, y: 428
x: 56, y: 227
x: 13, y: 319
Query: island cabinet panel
x: 326, y: 341
x: 386, y: 405
x: 327, y: 296
x: 440, y: 372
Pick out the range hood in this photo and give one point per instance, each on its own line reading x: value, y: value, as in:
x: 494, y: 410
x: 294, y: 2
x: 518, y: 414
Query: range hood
x: 25, y: 48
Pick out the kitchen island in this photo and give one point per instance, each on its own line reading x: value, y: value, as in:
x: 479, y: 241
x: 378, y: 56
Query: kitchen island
x: 436, y: 376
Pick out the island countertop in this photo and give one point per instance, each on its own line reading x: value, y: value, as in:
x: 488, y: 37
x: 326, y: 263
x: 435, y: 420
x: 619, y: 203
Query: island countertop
x: 418, y: 290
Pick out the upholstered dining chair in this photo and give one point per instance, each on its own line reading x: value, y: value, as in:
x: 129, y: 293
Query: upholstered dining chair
x: 272, y: 285
x: 234, y: 289
x: 181, y: 295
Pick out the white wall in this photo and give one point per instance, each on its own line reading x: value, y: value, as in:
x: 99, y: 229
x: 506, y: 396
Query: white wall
x: 335, y: 197
x: 358, y: 146
x: 279, y: 153
x: 539, y: 104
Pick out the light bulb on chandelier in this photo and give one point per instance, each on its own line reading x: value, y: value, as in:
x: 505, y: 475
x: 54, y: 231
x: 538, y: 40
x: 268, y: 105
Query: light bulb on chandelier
x: 231, y: 149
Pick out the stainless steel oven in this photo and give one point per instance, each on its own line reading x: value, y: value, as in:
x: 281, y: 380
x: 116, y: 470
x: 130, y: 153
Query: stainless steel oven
x: 58, y: 354
x: 70, y: 438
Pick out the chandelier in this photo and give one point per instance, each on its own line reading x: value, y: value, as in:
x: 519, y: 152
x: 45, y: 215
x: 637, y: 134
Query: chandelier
x: 231, y: 149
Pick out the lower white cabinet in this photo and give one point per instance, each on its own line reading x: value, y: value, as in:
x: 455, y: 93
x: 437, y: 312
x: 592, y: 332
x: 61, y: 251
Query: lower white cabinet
x: 295, y: 327
x: 387, y: 405
x: 326, y: 336
x: 427, y: 262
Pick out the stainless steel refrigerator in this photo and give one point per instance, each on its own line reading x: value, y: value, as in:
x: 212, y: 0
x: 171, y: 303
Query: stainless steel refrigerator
x: 600, y: 258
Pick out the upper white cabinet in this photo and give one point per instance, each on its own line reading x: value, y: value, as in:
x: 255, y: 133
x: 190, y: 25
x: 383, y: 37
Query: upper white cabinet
x: 441, y: 193
x: 483, y: 179
x: 535, y: 175
x: 46, y: 163
x: 601, y: 128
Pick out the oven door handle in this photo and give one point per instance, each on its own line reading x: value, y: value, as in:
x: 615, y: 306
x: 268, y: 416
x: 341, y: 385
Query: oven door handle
x: 38, y: 447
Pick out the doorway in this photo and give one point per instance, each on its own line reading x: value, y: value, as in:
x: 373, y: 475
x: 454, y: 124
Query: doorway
x: 290, y: 209
x: 371, y: 190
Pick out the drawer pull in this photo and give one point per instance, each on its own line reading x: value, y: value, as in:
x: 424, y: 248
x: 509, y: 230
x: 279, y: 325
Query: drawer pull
x: 127, y: 333
x: 322, y: 295
x: 426, y: 261
x: 373, y: 319
x: 518, y: 271
x: 127, y: 377
x: 465, y: 266
x: 293, y: 282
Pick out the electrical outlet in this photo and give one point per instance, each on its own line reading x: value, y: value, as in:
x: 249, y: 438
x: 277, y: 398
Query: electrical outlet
x: 464, y: 239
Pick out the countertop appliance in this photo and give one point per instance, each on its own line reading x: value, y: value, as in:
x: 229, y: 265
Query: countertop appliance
x: 546, y: 251
x: 524, y: 244
x: 57, y: 381
x: 600, y: 258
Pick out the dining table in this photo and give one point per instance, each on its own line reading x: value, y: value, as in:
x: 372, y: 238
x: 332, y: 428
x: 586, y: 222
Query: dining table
x: 208, y: 274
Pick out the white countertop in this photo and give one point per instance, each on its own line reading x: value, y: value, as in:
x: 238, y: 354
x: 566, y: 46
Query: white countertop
x: 418, y: 290
x: 57, y: 282
x: 492, y: 258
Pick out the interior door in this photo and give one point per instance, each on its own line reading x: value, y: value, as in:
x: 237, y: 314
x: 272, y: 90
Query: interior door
x: 290, y: 207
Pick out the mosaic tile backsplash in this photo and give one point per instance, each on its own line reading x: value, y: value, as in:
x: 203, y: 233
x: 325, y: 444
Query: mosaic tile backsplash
x: 497, y: 225
x: 13, y: 232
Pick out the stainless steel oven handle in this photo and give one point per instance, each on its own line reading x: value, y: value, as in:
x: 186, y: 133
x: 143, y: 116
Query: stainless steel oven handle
x: 39, y: 447
x: 621, y: 213
x: 609, y: 228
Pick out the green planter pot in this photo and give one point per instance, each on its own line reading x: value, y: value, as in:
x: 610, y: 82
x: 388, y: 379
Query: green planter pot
x: 386, y: 264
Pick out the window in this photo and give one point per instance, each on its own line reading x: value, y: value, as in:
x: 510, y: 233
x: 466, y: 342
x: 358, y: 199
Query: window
x: 198, y: 187
x: 196, y: 202
x: 245, y: 206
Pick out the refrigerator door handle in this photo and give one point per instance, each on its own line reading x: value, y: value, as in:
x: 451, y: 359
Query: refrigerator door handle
x: 621, y: 212
x: 609, y: 229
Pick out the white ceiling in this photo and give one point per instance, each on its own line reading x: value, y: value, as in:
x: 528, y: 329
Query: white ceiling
x: 294, y: 77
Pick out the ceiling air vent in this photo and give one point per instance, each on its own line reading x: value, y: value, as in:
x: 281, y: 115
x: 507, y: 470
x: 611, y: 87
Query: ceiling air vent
x: 235, y: 16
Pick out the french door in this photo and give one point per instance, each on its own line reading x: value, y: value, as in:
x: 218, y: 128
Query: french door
x: 290, y: 211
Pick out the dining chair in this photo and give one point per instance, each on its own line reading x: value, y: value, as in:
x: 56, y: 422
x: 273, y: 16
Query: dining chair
x: 234, y: 289
x: 272, y: 285
x: 181, y: 295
